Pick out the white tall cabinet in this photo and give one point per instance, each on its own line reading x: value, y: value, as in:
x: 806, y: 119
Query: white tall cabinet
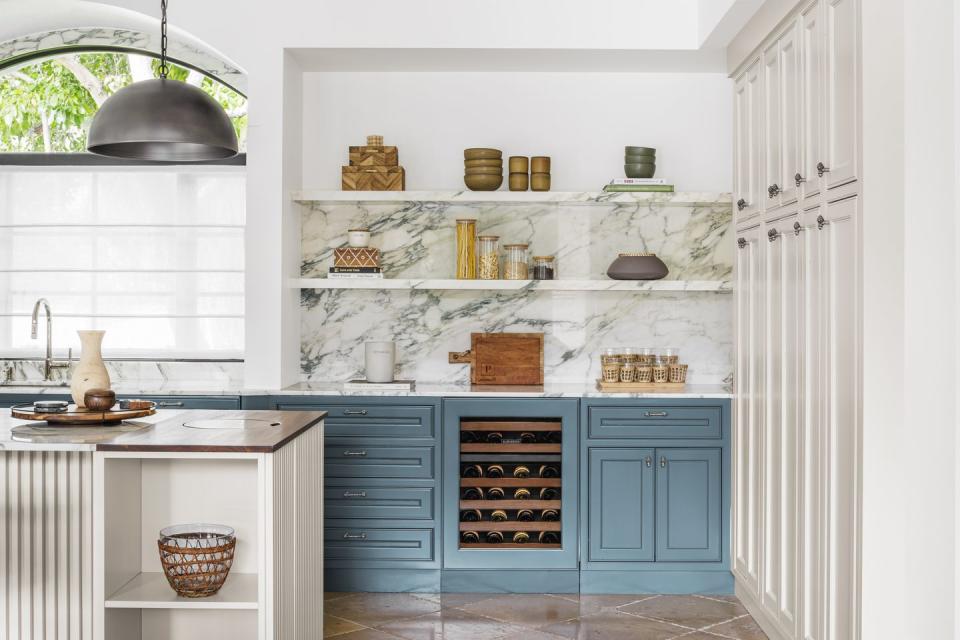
x: 796, y: 432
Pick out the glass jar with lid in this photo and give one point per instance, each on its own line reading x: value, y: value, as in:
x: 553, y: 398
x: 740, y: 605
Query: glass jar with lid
x: 466, y: 249
x: 515, y: 266
x: 544, y: 268
x: 488, y: 257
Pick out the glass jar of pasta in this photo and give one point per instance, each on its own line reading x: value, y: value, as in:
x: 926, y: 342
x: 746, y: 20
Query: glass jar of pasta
x: 488, y: 257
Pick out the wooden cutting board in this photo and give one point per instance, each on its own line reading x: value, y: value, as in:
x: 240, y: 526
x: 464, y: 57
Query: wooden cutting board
x: 503, y: 358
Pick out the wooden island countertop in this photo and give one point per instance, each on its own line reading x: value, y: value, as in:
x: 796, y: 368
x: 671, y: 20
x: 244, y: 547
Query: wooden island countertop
x: 240, y: 431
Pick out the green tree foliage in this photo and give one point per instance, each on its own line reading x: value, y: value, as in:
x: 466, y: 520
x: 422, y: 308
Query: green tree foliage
x: 48, y: 105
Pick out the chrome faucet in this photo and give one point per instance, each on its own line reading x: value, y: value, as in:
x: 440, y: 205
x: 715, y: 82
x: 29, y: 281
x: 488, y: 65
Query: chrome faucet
x: 48, y: 363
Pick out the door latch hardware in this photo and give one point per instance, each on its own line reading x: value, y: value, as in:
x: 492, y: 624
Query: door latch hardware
x: 821, y: 222
x: 822, y: 169
x: 796, y: 228
x: 772, y: 235
x: 663, y: 462
x: 799, y: 179
x: 648, y: 461
x: 741, y: 204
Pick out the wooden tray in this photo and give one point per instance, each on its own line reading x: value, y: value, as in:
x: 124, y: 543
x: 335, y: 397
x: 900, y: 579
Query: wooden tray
x: 76, y: 416
x: 627, y: 387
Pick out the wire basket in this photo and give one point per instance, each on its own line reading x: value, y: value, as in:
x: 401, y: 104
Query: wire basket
x: 196, y: 558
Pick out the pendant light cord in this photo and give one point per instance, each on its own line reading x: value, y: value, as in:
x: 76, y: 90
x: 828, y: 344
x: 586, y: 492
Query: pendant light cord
x: 163, y: 38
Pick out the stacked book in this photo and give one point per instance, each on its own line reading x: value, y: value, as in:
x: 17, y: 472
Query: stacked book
x: 639, y: 184
x: 356, y: 262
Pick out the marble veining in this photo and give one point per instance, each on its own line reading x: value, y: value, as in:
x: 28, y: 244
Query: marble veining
x: 417, y: 241
x: 180, y: 49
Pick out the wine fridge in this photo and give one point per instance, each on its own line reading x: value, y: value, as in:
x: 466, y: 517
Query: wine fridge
x: 510, y: 471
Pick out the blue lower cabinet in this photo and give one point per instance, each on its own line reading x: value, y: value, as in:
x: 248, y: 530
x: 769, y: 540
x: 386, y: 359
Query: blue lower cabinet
x: 620, y: 505
x: 688, y: 505
x: 368, y: 545
x: 163, y: 402
x: 362, y: 460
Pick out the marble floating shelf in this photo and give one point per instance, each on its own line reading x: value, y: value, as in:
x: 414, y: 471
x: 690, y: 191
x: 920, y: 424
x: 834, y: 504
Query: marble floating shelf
x: 679, y: 198
x: 717, y: 286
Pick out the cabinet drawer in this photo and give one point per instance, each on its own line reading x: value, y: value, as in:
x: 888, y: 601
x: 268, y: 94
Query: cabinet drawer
x: 368, y: 421
x: 377, y: 544
x: 378, y: 502
x: 654, y: 422
x: 362, y: 461
x: 193, y: 402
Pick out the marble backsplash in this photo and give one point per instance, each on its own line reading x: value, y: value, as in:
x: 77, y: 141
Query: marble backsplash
x: 127, y: 373
x: 417, y: 241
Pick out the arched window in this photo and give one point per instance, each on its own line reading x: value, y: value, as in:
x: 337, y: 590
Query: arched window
x: 46, y: 106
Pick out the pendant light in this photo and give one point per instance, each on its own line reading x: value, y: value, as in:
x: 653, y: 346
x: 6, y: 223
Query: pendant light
x: 162, y: 119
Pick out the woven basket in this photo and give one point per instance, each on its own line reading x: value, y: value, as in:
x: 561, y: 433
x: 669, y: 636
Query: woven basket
x: 196, y: 558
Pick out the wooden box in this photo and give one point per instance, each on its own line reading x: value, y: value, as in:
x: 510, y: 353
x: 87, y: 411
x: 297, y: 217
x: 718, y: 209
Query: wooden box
x: 356, y: 257
x: 373, y: 179
x: 370, y: 156
x: 503, y: 358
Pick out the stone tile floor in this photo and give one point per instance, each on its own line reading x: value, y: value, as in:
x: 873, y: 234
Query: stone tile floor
x: 489, y: 616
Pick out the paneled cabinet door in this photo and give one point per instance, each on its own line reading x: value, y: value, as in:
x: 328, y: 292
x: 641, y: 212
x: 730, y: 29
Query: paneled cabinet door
x: 841, y: 421
x: 772, y: 124
x: 841, y: 91
x: 811, y: 112
x: 781, y: 485
x: 748, y: 414
x: 621, y: 506
x: 689, y: 484
x: 748, y: 116
x: 790, y: 106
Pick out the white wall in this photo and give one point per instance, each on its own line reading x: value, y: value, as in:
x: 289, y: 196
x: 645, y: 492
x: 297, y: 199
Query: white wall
x: 581, y: 120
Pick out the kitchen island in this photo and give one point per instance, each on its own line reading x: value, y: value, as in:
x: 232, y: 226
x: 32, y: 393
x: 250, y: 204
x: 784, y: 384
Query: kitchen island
x: 83, y: 507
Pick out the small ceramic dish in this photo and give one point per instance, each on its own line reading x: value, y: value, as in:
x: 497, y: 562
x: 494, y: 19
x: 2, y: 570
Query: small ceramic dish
x: 642, y: 170
x: 483, y: 171
x: 483, y: 162
x: 483, y: 182
x: 640, y: 151
x: 482, y: 153
x: 51, y: 406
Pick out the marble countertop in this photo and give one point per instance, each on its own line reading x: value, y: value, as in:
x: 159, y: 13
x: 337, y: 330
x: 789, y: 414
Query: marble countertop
x: 424, y: 389
x: 165, y: 431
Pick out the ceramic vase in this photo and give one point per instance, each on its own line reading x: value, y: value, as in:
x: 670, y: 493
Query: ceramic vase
x: 90, y: 372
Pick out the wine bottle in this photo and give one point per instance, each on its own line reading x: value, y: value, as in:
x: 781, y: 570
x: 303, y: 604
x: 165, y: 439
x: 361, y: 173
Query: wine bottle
x: 549, y: 537
x: 471, y: 515
x: 549, y: 471
x: 549, y: 515
x: 521, y: 537
x: 499, y: 515
x: 525, y: 515
x: 473, y: 493
x: 495, y: 437
x: 468, y: 436
x: 549, y: 493
x: 521, y: 471
x: 469, y: 537
x: 495, y: 471
x: 494, y: 537
x: 527, y: 438
x: 472, y: 471
x: 521, y: 494
x: 495, y: 493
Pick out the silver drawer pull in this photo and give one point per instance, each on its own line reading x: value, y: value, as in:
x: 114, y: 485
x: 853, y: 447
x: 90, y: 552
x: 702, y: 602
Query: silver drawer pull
x: 354, y: 494
x: 169, y: 404
x: 663, y: 462
x: 354, y: 412
x: 354, y: 536
x: 354, y: 454
x: 655, y: 414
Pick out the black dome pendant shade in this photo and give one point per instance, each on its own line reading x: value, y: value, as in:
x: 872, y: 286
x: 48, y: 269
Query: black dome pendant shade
x: 163, y: 120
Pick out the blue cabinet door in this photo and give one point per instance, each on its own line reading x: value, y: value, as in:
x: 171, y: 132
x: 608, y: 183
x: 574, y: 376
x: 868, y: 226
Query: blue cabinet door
x: 621, y: 505
x: 688, y: 505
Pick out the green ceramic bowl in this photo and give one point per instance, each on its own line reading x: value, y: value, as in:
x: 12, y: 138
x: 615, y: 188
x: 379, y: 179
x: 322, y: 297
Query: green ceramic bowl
x: 480, y: 182
x: 634, y: 159
x: 484, y: 162
x: 487, y: 171
x: 640, y: 151
x: 479, y: 153
x: 640, y: 170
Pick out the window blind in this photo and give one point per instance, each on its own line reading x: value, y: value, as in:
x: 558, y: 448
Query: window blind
x: 152, y: 255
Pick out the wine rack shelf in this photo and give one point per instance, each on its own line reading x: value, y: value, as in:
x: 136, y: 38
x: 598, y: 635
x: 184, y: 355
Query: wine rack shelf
x: 510, y: 482
x: 508, y: 545
x: 469, y: 425
x: 509, y: 525
x: 508, y: 447
x: 533, y: 505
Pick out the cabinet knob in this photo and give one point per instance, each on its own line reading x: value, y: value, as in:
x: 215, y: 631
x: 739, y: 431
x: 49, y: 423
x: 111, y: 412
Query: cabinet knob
x: 821, y: 222
x: 354, y: 454
x: 741, y: 204
x: 796, y: 228
x: 648, y: 461
x: 772, y: 235
x: 822, y: 169
x: 663, y: 462
x: 741, y: 242
x: 354, y: 536
x: 799, y: 179
x: 773, y: 190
